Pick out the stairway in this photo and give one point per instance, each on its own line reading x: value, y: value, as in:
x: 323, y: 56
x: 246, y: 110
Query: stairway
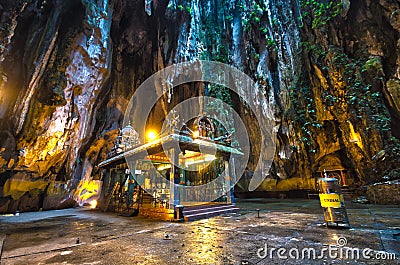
x: 349, y: 193
x: 111, y: 196
x: 191, y: 213
x: 147, y: 198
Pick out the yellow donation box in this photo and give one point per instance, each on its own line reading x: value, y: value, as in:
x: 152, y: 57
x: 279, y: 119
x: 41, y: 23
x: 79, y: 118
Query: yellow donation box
x: 332, y: 203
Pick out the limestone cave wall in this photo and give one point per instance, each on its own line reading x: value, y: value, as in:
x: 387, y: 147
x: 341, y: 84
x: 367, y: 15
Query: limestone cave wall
x: 68, y: 69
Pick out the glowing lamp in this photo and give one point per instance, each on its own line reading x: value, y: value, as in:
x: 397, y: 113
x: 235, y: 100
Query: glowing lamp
x: 93, y: 204
x: 196, y: 134
x: 151, y: 136
x: 163, y: 167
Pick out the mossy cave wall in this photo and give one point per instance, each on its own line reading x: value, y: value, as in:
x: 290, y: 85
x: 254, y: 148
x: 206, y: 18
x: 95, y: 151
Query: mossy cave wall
x: 331, y: 70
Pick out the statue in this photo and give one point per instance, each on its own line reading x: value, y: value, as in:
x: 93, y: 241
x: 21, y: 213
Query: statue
x: 205, y: 126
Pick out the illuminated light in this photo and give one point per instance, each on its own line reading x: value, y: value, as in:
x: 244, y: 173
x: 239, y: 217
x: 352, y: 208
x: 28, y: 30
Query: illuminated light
x: 87, y: 190
x: 207, y: 158
x: 93, y: 204
x: 151, y: 135
x: 196, y: 134
x: 162, y: 167
x: 354, y: 137
x: 204, y: 248
x: 193, y: 162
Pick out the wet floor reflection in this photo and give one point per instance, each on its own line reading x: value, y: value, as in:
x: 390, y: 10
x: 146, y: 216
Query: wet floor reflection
x: 204, y: 242
x: 231, y: 239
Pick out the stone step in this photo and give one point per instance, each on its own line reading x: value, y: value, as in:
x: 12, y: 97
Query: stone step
x: 204, y: 208
x: 349, y: 193
x: 207, y: 212
x: 147, y: 198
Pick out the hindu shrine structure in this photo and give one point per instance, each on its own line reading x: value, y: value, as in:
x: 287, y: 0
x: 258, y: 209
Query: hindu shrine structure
x: 182, y: 174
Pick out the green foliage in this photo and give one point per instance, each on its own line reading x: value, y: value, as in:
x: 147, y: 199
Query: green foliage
x: 189, y: 10
x: 274, y: 21
x: 308, y: 47
x: 247, y: 25
x: 215, y: 45
x: 303, y: 112
x: 263, y: 30
x: 321, y: 12
x: 395, y: 146
x: 270, y: 41
x: 220, y: 92
x: 253, y: 16
x: 216, y: 48
x: 373, y: 64
x: 222, y: 54
x: 182, y: 8
x: 223, y: 113
x: 329, y: 99
x: 364, y: 100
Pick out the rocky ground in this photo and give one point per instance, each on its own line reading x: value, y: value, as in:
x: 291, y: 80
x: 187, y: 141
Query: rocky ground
x: 84, y: 236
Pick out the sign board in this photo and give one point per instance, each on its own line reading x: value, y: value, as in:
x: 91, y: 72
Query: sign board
x: 330, y: 200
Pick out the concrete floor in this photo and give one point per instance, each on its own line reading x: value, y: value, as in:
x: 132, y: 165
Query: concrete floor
x: 84, y: 236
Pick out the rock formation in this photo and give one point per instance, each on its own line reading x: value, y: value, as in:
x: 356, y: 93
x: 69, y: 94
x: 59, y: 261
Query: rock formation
x: 68, y: 68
